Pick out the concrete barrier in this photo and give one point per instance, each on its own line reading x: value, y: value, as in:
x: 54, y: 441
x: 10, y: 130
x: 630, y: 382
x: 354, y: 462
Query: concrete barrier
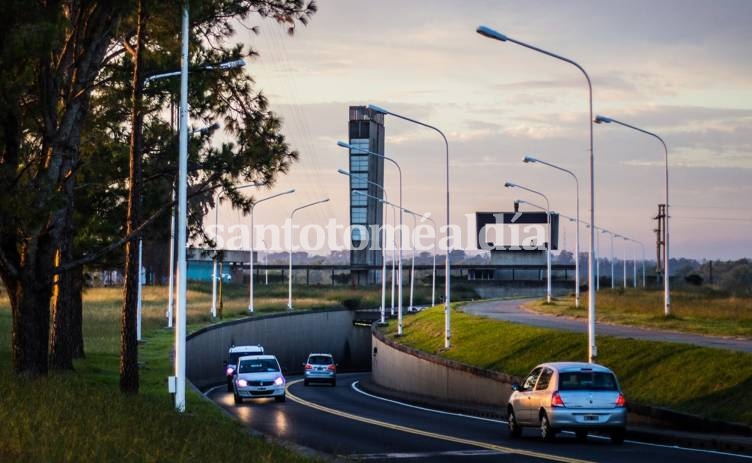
x: 289, y: 336
x: 406, y: 370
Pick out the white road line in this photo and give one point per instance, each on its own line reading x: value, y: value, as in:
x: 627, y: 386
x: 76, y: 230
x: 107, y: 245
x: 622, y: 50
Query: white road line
x: 647, y: 444
x: 403, y: 404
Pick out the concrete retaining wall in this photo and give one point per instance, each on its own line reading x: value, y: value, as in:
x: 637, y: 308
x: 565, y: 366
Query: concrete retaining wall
x: 417, y: 373
x: 289, y: 336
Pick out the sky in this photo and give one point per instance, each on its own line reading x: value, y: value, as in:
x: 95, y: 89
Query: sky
x: 681, y: 69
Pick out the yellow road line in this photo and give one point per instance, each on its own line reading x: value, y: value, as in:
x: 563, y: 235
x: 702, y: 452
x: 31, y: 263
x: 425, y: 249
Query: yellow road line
x: 458, y: 440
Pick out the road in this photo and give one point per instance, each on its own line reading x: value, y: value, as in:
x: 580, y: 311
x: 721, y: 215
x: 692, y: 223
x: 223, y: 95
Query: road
x: 511, y: 310
x: 346, y: 422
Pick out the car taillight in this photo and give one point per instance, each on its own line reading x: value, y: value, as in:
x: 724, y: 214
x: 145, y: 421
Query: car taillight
x: 556, y: 400
x: 332, y: 368
x: 308, y: 366
x: 620, y: 400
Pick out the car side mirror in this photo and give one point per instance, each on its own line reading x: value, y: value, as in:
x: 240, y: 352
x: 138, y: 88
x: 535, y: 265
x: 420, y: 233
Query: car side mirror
x: 516, y: 387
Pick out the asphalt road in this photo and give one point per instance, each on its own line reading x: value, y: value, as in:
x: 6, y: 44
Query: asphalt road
x: 511, y: 310
x: 348, y: 423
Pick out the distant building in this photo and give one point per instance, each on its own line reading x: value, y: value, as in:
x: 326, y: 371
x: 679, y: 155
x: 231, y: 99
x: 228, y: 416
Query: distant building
x: 366, y: 133
x: 200, y: 265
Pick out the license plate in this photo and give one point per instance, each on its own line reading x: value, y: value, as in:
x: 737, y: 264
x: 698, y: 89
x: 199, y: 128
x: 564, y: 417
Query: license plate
x: 261, y: 389
x: 591, y: 418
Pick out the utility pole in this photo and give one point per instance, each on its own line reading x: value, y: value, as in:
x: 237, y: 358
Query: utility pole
x: 660, y: 240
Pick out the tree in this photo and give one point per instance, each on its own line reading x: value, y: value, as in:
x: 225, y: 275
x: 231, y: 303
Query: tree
x: 52, y: 53
x: 58, y: 57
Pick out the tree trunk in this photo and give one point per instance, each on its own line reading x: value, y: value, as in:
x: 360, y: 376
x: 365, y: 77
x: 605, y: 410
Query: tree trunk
x: 129, y: 380
x: 61, y: 337
x: 30, y: 302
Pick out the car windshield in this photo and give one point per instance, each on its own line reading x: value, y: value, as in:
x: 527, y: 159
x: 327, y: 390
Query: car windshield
x: 320, y: 360
x: 234, y: 356
x: 586, y: 381
x: 258, y: 366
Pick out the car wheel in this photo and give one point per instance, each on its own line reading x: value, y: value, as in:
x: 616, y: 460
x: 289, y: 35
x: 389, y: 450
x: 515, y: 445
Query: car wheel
x: 617, y: 437
x: 280, y: 398
x: 547, y: 432
x: 514, y: 427
x: 238, y: 399
x: 581, y: 435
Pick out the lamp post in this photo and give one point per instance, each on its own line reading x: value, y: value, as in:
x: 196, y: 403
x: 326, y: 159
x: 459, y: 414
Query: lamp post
x: 666, y: 255
x: 178, y: 383
x: 414, y: 215
x: 492, y: 34
x: 634, y: 261
x: 215, y: 276
x: 548, y: 245
x: 383, y: 251
x: 529, y: 159
x: 289, y: 277
x: 435, y: 246
x: 624, y: 263
x: 180, y: 319
x: 447, y: 277
x: 401, y: 220
x: 597, y: 258
x: 612, y: 256
x: 250, y: 266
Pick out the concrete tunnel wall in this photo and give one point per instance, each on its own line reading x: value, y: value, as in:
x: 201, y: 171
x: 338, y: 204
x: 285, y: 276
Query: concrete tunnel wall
x: 430, y: 377
x: 289, y: 336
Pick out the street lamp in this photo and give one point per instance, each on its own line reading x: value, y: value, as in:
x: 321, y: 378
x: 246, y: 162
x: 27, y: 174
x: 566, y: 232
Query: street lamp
x: 414, y: 215
x: 289, y: 277
x: 529, y: 159
x: 435, y: 246
x: 214, y: 258
x: 612, y: 256
x: 548, y: 245
x: 666, y: 287
x: 447, y: 277
x: 597, y: 258
x: 177, y: 383
x: 250, y: 266
x: 624, y: 262
x: 401, y: 220
x: 492, y: 34
x: 383, y: 251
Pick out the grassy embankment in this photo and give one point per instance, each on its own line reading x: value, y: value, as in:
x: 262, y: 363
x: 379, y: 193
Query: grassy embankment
x: 82, y: 416
x: 693, y: 310
x: 710, y: 382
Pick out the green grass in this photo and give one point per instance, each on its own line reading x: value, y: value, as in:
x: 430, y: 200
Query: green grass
x: 693, y: 310
x: 82, y: 416
x: 709, y: 382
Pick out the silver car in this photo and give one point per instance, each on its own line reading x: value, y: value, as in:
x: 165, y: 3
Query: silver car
x: 258, y: 376
x: 574, y: 396
x: 321, y: 368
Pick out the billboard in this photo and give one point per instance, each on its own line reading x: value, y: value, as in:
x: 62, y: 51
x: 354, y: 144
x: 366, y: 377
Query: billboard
x: 516, y: 231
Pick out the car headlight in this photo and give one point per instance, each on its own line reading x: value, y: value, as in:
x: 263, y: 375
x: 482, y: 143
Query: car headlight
x: 242, y: 383
x: 279, y: 381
